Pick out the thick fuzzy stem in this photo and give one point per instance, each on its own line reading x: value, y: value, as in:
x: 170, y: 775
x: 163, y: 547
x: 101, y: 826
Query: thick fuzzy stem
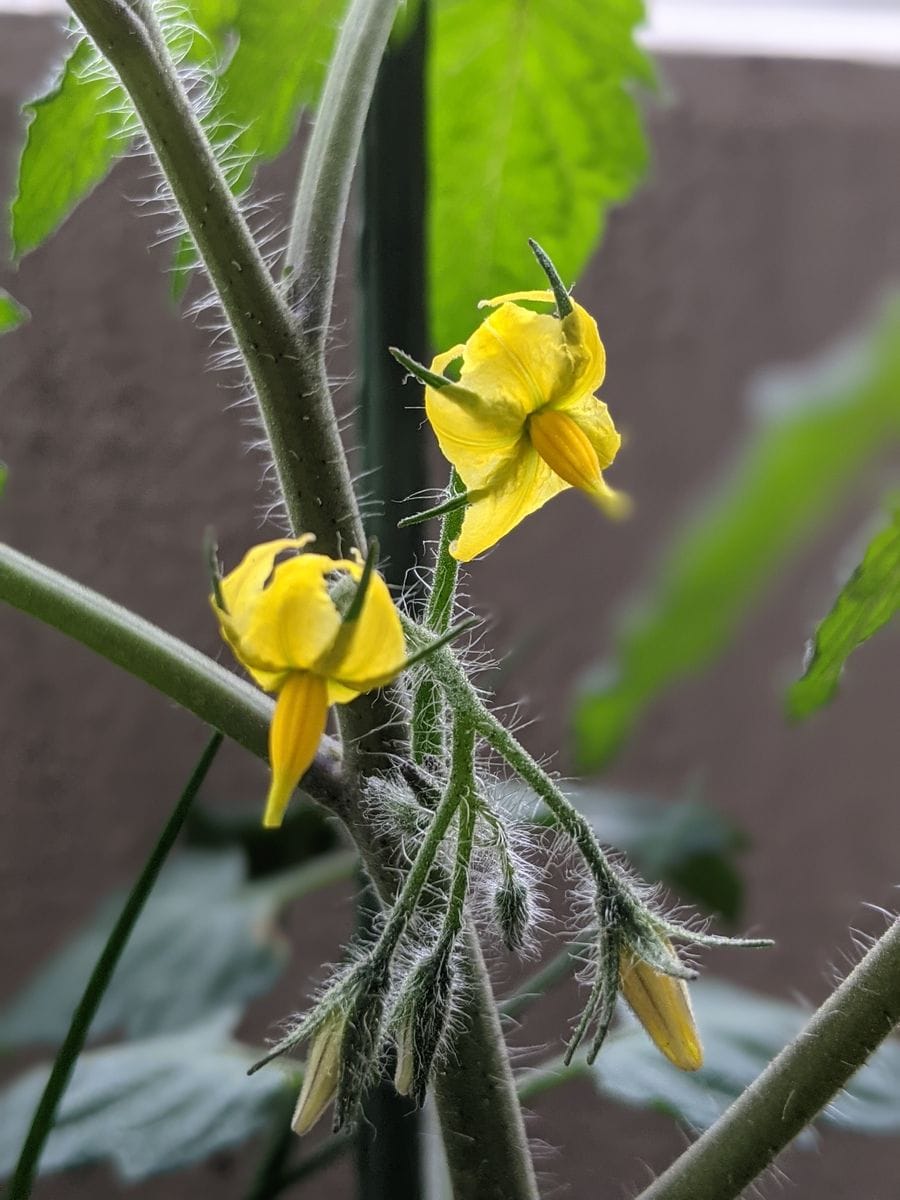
x: 287, y: 374
x: 797, y: 1085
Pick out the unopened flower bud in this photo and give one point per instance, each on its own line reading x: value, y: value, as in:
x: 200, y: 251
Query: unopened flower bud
x: 422, y: 1020
x: 512, y: 911
x: 662, y: 1004
x: 321, y: 1077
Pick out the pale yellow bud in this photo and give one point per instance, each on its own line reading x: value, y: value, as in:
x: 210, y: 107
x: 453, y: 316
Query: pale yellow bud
x: 321, y: 1077
x: 663, y: 1006
x: 403, y: 1072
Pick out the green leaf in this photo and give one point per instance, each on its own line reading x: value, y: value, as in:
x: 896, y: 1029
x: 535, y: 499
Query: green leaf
x: 533, y: 132
x: 205, y: 940
x: 822, y: 425
x: 151, y: 1105
x: 277, y: 69
x: 742, y: 1032
x: 76, y: 132
x: 866, y: 603
x: 88, y: 109
x: 12, y: 314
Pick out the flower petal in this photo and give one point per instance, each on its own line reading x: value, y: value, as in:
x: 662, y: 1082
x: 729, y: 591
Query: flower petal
x: 522, y: 487
x: 477, y: 437
x: 370, y: 651
x: 592, y: 417
x: 541, y: 296
x: 292, y: 622
x: 294, y: 735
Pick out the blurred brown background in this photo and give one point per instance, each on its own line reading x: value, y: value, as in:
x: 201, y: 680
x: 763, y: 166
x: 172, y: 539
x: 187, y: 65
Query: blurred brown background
x: 768, y: 225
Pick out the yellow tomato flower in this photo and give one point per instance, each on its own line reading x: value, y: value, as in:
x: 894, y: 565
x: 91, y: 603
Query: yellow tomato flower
x: 520, y: 421
x: 663, y: 1006
x: 285, y: 624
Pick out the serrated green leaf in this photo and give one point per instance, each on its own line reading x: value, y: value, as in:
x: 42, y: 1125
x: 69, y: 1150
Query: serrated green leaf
x: 277, y: 69
x: 741, y: 1032
x: 205, y: 940
x: 75, y: 133
x: 823, y: 425
x: 533, y: 132
x: 869, y: 599
x: 149, y: 1106
x: 12, y: 314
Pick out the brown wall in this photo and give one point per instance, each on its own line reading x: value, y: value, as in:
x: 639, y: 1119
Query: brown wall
x: 768, y: 225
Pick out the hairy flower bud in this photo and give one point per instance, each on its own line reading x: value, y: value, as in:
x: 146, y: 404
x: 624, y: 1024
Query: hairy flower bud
x: 423, y: 1012
x: 321, y: 1076
x: 512, y: 912
x: 663, y: 1006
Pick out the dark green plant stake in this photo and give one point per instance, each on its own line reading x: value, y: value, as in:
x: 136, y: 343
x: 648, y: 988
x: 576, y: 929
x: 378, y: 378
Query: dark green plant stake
x: 64, y: 1064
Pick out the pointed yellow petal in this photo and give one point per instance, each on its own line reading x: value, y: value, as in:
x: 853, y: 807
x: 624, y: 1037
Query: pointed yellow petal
x: 544, y: 296
x: 368, y: 652
x: 569, y: 452
x: 663, y: 1006
x: 293, y: 621
x: 297, y: 727
x: 519, y: 489
x: 241, y: 586
x: 320, y: 1078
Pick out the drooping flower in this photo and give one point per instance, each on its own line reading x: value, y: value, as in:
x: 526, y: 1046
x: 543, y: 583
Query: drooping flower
x: 662, y: 1004
x: 518, y: 417
x: 298, y: 627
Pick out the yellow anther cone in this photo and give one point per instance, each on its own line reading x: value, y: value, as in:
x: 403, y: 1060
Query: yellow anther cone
x: 663, y: 1006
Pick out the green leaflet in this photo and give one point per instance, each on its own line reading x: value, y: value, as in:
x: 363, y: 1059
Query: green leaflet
x: 866, y: 602
x: 277, y: 68
x: 151, y: 1105
x: 12, y: 314
x: 823, y: 424
x: 533, y: 133
x: 260, y: 94
x: 84, y: 109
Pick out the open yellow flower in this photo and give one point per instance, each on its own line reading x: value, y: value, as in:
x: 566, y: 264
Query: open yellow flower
x: 294, y: 626
x: 519, y: 419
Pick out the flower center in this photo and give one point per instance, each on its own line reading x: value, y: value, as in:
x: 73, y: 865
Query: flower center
x: 565, y: 448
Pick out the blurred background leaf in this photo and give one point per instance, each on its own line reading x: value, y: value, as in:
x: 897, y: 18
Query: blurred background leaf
x: 151, y: 1105
x: 742, y: 1032
x: 533, y: 132
x: 686, y: 845
x: 869, y: 599
x: 12, y: 314
x: 206, y: 939
x: 823, y: 424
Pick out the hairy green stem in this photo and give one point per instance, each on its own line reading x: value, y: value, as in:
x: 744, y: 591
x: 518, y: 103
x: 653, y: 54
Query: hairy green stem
x: 796, y: 1085
x: 286, y: 372
x: 459, y: 791
x: 321, y: 202
x: 73, y: 1043
x: 428, y: 705
x: 219, y: 698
